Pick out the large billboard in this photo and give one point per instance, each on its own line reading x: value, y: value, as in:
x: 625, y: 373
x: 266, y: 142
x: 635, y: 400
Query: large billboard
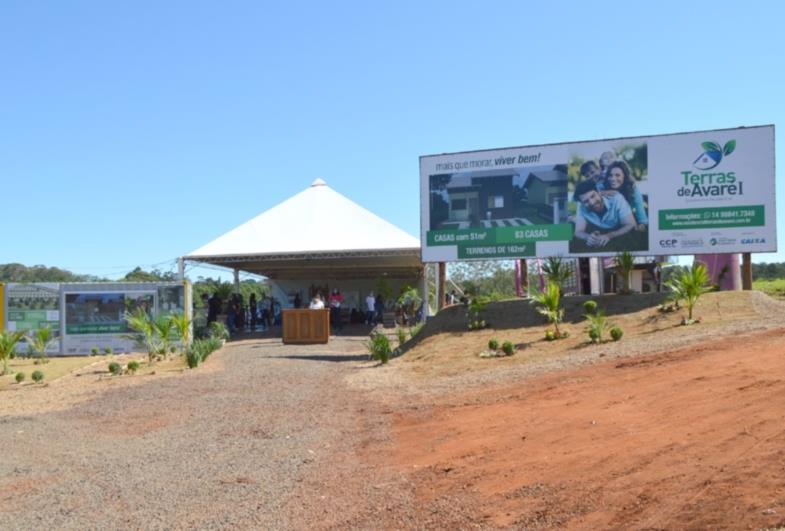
x: 685, y: 193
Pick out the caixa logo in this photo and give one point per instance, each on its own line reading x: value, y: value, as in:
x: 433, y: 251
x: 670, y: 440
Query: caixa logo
x: 668, y: 243
x: 752, y: 241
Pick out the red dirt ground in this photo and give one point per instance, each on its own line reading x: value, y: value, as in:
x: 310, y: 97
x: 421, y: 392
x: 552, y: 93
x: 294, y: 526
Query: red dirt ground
x: 691, y: 439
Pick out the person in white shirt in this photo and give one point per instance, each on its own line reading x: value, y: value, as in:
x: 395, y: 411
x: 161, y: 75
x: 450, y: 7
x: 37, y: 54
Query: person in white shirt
x: 370, y: 308
x: 316, y: 303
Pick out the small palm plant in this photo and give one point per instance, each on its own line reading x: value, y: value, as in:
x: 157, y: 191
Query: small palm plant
x: 689, y: 286
x: 139, y: 321
x: 39, y: 341
x: 182, y: 325
x: 625, y: 263
x: 8, y: 341
x: 549, y: 300
x: 598, y: 325
x: 164, y: 328
x: 557, y: 270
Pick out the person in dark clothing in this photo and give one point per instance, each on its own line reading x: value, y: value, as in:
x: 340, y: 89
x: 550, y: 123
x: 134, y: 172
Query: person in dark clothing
x: 252, y: 310
x: 213, y: 308
x: 298, y: 302
x: 336, y: 301
x: 379, y: 307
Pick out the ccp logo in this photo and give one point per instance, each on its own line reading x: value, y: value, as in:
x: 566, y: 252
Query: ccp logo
x: 668, y: 243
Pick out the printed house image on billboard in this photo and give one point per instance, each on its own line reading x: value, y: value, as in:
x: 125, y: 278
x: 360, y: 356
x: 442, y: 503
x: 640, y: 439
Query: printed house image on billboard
x: 499, y: 198
x: 103, y: 313
x: 609, y: 207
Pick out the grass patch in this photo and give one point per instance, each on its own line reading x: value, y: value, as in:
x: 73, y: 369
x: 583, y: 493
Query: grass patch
x: 772, y: 288
x: 57, y: 367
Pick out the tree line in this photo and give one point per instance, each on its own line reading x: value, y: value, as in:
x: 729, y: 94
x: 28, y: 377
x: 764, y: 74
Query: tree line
x: 19, y: 273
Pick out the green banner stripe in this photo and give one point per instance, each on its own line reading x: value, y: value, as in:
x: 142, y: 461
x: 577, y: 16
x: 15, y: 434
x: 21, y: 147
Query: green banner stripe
x: 519, y: 234
x: 461, y: 236
x: 496, y: 251
x: 712, y: 218
x: 534, y: 233
x: 96, y: 328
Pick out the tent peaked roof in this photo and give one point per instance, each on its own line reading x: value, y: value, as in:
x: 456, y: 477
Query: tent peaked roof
x: 316, y: 221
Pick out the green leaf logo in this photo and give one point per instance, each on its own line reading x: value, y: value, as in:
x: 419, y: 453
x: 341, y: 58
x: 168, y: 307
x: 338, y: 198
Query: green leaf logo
x: 730, y: 145
x: 711, y: 146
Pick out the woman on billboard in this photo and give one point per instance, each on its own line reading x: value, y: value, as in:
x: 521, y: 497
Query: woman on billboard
x: 618, y: 179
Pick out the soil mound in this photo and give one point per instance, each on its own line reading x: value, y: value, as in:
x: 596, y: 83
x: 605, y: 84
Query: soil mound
x: 444, y: 347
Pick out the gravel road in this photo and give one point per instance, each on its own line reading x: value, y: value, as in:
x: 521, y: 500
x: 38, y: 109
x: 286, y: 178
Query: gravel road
x: 262, y: 436
x: 226, y: 446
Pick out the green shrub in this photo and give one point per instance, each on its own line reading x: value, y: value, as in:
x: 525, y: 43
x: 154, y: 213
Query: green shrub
x: 20, y: 377
x: 616, y: 333
x: 94, y: 351
x: 590, y: 306
x: 37, y: 376
x: 474, y: 315
x: 508, y: 348
x: 401, y: 336
x: 210, y: 345
x: 200, y: 350
x: 108, y: 351
x: 219, y: 330
x: 193, y: 356
x: 413, y: 331
x: 379, y: 347
x: 133, y: 366
x: 493, y: 343
x: 115, y: 368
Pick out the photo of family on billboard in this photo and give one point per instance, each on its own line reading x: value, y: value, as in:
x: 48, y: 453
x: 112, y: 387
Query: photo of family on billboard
x: 609, y: 208
x: 488, y: 199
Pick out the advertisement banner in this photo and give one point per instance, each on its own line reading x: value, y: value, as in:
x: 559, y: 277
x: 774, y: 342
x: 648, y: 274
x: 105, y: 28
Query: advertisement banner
x: 685, y: 193
x: 32, y: 307
x: 95, y: 313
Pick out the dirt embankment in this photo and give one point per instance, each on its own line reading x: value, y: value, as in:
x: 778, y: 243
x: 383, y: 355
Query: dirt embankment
x: 445, y: 349
x: 689, y: 439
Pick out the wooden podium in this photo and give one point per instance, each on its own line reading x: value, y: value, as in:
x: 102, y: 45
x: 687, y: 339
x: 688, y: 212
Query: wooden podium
x: 304, y: 326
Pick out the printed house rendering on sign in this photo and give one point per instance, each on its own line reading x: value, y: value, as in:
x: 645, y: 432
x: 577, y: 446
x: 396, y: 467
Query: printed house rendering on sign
x: 499, y: 198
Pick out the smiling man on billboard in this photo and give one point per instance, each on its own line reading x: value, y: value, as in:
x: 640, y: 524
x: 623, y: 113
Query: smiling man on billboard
x: 601, y: 217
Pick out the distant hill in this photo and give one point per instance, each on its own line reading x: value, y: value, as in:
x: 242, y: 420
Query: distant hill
x: 40, y: 273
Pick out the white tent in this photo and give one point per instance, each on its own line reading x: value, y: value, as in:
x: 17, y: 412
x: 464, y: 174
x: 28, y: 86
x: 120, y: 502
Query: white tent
x: 316, y: 234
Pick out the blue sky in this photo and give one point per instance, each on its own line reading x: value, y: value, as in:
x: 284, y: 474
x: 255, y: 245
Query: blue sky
x: 135, y: 132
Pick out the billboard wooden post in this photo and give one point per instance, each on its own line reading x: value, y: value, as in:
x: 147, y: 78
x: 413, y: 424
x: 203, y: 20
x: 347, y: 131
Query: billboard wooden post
x: 746, y: 271
x: 522, y: 278
x: 442, y: 285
